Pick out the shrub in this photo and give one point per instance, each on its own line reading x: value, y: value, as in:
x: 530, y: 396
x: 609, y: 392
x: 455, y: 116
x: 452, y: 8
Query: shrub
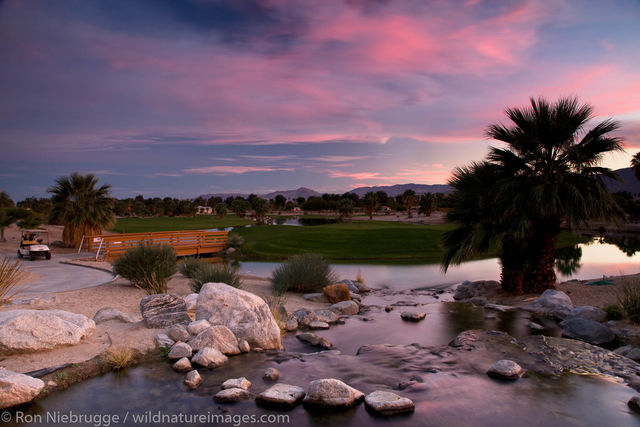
x: 630, y: 300
x: 614, y: 312
x: 302, y: 273
x: 119, y: 357
x: 235, y: 240
x: 190, y: 266
x: 148, y: 267
x: 10, y: 275
x: 219, y: 273
x: 276, y: 304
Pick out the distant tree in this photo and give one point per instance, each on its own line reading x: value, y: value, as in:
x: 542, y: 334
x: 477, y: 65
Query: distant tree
x: 345, y: 208
x: 221, y: 209
x: 300, y: 200
x: 229, y: 201
x: 409, y: 199
x: 289, y: 206
x: 426, y: 204
x: 5, y: 200
x: 315, y: 203
x: 382, y: 197
x: 83, y: 209
x: 252, y: 198
x: 213, y: 201
x: 5, y: 221
x: 279, y: 202
x: 199, y: 201
x: 30, y: 219
x: 635, y: 164
x: 261, y: 209
x: 240, y: 207
x: 186, y: 208
x: 370, y: 203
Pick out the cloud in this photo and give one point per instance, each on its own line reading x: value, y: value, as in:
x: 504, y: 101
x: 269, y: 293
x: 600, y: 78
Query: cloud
x: 337, y: 159
x: 234, y: 170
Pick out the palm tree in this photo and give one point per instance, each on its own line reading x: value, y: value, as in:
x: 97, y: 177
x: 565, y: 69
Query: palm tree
x: 83, y: 209
x: 370, y: 203
x: 409, y: 198
x: 546, y: 175
x: 345, y: 208
x: 635, y: 164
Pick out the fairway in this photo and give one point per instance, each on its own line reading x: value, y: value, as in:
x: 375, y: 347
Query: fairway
x: 165, y: 223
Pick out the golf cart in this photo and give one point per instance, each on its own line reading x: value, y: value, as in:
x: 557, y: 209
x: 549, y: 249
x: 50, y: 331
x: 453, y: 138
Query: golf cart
x: 32, y: 246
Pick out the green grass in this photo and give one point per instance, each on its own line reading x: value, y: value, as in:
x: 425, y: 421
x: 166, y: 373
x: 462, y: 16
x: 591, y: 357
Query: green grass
x: 165, y: 223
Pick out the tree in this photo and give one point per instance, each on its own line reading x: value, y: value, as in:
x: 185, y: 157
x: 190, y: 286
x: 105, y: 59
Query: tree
x: 546, y: 175
x: 83, y: 209
x: 382, y: 197
x: 5, y: 200
x: 261, y: 208
x: 279, y: 202
x: 426, y: 203
x: 5, y: 218
x: 345, y: 208
x: 409, y: 199
x: 221, y: 209
x: 240, y: 206
x: 635, y: 164
x: 370, y: 203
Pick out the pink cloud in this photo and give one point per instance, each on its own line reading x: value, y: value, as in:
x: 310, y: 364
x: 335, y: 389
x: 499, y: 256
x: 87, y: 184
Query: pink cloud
x: 233, y: 170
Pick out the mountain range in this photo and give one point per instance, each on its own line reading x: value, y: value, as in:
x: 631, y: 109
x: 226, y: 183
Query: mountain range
x: 628, y: 182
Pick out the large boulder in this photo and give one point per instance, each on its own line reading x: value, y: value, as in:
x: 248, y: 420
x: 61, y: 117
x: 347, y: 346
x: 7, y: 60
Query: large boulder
x: 218, y: 337
x: 244, y: 313
x: 16, y: 389
x: 552, y: 303
x: 180, y: 350
x: 336, y: 293
x: 35, y: 330
x: 331, y: 393
x: 587, y: 330
x: 178, y: 333
x: 163, y: 311
x: 209, y: 358
x: 346, y: 307
x: 588, y: 312
x: 467, y: 289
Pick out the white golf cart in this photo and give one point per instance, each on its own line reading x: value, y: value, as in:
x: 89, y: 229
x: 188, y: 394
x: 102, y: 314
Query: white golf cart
x: 34, y: 243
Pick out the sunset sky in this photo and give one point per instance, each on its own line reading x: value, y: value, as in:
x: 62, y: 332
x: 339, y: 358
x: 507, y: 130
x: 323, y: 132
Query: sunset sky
x: 181, y: 98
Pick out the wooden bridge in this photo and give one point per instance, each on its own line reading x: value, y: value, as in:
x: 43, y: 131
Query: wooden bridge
x: 187, y: 242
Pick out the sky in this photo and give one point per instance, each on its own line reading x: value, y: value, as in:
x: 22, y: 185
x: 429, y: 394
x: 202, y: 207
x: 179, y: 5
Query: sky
x: 182, y: 98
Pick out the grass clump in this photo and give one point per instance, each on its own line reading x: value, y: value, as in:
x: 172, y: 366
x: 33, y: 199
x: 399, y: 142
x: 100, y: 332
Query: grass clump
x: 148, y: 267
x: 614, y: 312
x: 218, y: 273
x: 189, y: 267
x: 235, y: 240
x: 302, y: 273
x: 277, y: 304
x: 10, y: 275
x: 119, y: 357
x: 630, y: 300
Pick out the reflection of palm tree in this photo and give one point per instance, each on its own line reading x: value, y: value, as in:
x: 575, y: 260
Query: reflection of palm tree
x: 568, y: 260
x: 635, y: 164
x: 83, y: 209
x: 545, y: 175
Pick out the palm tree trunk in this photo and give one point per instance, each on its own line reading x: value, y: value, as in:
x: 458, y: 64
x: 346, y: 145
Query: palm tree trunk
x: 541, y: 274
x: 513, y: 261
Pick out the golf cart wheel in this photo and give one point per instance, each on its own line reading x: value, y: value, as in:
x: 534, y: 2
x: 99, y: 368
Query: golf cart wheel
x: 19, y: 254
x: 47, y: 255
x: 32, y: 256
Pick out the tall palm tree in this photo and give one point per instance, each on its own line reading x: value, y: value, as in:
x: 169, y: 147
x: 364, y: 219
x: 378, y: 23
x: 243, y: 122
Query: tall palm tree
x: 370, y: 203
x: 546, y: 175
x: 82, y: 208
x: 635, y: 164
x: 409, y: 198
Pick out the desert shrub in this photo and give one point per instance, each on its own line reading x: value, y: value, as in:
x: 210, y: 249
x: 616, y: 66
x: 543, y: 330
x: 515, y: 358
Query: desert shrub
x: 630, y: 300
x: 10, y: 275
x: 614, y: 312
x: 235, y: 240
x: 148, y: 267
x: 276, y: 304
x: 218, y: 273
x: 190, y: 266
x: 302, y: 273
x: 119, y: 357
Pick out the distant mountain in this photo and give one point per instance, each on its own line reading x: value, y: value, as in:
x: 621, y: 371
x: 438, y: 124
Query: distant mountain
x: 394, y: 190
x: 288, y: 194
x: 628, y: 183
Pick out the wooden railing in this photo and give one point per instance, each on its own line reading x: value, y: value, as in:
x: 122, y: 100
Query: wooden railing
x: 187, y: 242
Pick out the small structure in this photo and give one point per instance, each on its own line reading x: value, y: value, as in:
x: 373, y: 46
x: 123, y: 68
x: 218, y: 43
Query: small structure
x: 204, y: 210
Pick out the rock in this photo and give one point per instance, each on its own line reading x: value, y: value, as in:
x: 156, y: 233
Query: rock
x: 280, y: 396
x: 481, y: 301
x: 387, y: 403
x: 245, y: 314
x: 51, y: 384
x: 362, y: 288
x: 412, y: 316
x: 316, y: 324
x: 634, y: 404
x: 209, y: 358
x: 326, y: 316
x: 623, y: 351
x: 163, y: 340
x: 180, y: 350
x: 588, y: 312
x: 355, y: 297
x: 179, y: 333
x: 106, y: 314
x: 244, y: 346
x: 241, y: 382
x: 34, y: 330
x: 388, y: 308
x: 191, y: 301
x: 163, y: 310
x: 303, y: 317
x: 194, y: 328
x: 231, y: 395
x: 336, y: 293
x: 535, y: 326
x: 182, y: 365
x: 467, y: 289
x: 317, y: 297
x: 633, y: 354
x: 271, y: 374
x: 193, y: 379
x: 587, y: 330
x: 291, y: 325
x: 346, y: 307
x: 553, y: 304
x: 16, y: 388
x: 331, y: 393
x: 314, y: 340
x: 218, y: 337
x: 499, y: 308
x: 351, y: 284
x: 505, y: 370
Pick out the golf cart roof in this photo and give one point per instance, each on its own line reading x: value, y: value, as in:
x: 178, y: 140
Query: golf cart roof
x: 36, y: 230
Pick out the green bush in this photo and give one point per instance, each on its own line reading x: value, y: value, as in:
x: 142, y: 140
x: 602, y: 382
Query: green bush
x: 614, y: 312
x: 190, y: 266
x: 235, y: 240
x: 218, y: 273
x: 630, y: 300
x: 302, y: 273
x: 148, y: 267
